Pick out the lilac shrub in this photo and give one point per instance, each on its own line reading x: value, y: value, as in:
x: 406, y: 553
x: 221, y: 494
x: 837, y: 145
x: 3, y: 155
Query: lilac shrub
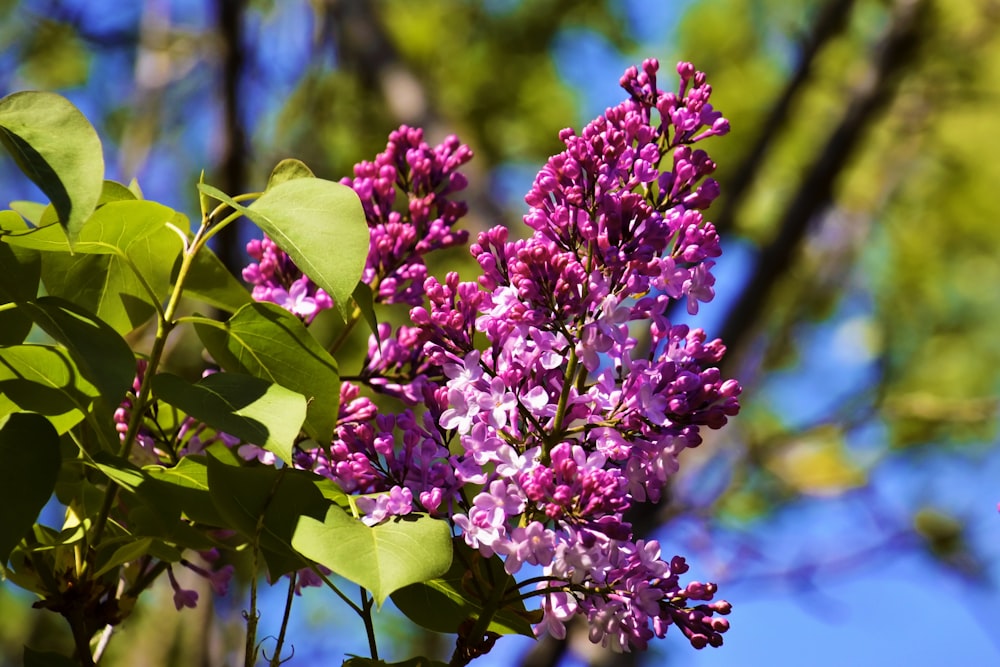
x: 544, y: 400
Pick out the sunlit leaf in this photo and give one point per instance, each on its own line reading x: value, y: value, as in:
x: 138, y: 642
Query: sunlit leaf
x: 320, y: 224
x: 287, y: 170
x: 58, y: 149
x: 382, y: 558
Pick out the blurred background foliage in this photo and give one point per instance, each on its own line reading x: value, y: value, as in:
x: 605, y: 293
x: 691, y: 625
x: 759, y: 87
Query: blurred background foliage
x: 860, y: 290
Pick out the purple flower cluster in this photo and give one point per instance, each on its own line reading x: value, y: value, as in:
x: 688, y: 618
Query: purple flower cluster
x: 544, y: 400
x: 584, y: 394
x: 405, y: 193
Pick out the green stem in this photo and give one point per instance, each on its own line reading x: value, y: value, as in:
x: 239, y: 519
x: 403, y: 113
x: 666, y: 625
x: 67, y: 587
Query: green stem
x: 276, y: 658
x: 366, y: 604
x: 164, y: 326
x: 557, y: 425
x: 250, y: 657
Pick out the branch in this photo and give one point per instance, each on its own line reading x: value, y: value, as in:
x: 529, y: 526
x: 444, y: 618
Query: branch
x: 830, y: 22
x: 905, y: 34
x: 232, y: 162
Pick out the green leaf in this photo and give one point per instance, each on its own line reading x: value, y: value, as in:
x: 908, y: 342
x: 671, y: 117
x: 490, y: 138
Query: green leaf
x: 131, y: 550
x: 33, y: 658
x: 265, y: 503
x: 443, y: 603
x: 184, y: 487
x: 113, y: 229
x: 115, y: 191
x: 122, y: 241
x: 253, y: 410
x: 102, y: 356
x: 320, y: 224
x: 366, y: 304
x: 209, y: 281
x: 31, y: 211
x: 20, y: 275
x: 29, y: 465
x: 287, y: 170
x: 57, y: 148
x: 44, y: 379
x: 382, y: 558
x: 268, y: 342
x: 20, y: 268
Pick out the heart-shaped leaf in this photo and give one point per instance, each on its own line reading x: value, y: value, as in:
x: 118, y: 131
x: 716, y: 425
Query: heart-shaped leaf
x: 382, y: 558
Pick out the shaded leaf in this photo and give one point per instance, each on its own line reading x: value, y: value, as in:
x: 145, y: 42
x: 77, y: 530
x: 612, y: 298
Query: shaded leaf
x: 184, y: 487
x: 265, y: 503
x: 131, y: 550
x: 268, y: 342
x: 102, y: 356
x: 209, y: 281
x: 29, y: 465
x: 44, y: 379
x: 254, y: 410
x: 366, y: 304
x: 20, y: 275
x: 33, y: 658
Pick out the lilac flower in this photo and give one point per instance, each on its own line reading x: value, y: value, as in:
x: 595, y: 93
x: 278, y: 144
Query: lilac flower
x: 397, y: 502
x: 532, y: 418
x: 182, y: 597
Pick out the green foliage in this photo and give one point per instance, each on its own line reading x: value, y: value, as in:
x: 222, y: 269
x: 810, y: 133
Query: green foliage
x: 58, y: 149
x: 99, y: 262
x: 253, y: 410
x: 382, y: 558
x: 119, y: 267
x: 443, y: 603
x: 268, y: 342
x: 29, y: 464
